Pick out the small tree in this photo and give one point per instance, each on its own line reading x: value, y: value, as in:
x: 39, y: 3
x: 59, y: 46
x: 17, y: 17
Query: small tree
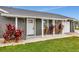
x: 11, y: 33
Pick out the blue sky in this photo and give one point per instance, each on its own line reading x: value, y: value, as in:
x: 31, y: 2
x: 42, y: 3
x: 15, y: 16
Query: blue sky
x: 70, y: 11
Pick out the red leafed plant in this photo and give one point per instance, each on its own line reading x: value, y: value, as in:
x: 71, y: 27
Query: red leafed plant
x: 12, y: 34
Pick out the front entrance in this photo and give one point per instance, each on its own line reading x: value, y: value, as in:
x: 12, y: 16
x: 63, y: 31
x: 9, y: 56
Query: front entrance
x: 66, y: 28
x: 30, y: 27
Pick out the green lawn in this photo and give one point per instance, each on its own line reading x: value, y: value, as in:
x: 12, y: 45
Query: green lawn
x: 65, y: 44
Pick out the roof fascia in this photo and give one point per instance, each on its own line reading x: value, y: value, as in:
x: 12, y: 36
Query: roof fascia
x: 3, y: 10
x: 11, y: 15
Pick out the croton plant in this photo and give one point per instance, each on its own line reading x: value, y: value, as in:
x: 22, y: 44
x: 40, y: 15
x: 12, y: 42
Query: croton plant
x: 12, y: 34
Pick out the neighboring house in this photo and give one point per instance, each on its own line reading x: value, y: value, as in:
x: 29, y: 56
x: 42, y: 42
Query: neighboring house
x: 34, y: 23
x: 76, y: 24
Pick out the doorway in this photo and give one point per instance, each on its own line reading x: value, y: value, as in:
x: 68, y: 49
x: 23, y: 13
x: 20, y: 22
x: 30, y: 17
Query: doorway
x: 30, y: 27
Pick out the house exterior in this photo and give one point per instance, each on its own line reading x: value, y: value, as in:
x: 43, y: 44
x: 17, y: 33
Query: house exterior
x: 35, y: 23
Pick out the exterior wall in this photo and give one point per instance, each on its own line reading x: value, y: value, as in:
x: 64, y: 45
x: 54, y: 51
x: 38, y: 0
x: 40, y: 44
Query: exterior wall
x: 10, y: 20
x: 22, y: 25
x: 72, y: 27
x: 38, y: 27
x: 3, y: 22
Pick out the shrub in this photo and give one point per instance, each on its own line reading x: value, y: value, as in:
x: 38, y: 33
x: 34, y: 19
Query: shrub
x: 11, y: 33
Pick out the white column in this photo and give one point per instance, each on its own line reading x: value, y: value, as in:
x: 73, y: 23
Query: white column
x: 42, y: 27
x: 54, y: 27
x: 16, y: 23
x: 26, y: 27
x: 63, y: 28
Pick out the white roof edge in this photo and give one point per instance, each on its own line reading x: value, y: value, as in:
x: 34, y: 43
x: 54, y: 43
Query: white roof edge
x: 10, y: 15
x: 3, y: 10
x: 72, y: 19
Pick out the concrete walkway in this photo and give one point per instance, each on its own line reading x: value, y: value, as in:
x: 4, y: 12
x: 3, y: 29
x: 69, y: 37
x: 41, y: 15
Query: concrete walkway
x: 38, y: 38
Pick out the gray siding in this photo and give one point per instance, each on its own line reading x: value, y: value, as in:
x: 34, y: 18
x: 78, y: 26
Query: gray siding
x: 38, y: 27
x: 22, y: 26
x: 3, y: 22
x: 71, y: 26
x: 10, y: 20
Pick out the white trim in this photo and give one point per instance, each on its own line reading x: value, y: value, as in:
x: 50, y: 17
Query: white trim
x: 42, y: 27
x: 3, y: 10
x: 16, y: 23
x: 54, y: 28
x: 10, y: 15
x: 26, y: 27
x: 63, y: 25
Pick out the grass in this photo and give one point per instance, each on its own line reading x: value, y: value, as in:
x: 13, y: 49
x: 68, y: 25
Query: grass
x: 70, y: 44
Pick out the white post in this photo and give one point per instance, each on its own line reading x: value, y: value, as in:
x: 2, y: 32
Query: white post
x: 62, y: 29
x: 26, y: 28
x: 54, y: 27
x: 42, y: 27
x: 16, y: 23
